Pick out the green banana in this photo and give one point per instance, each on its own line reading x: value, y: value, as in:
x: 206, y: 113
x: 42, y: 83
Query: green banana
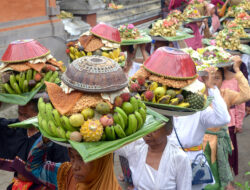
x: 141, y: 105
x: 53, y: 128
x: 139, y: 120
x: 12, y: 80
x: 66, y: 124
x: 119, y: 120
x: 21, y: 80
x: 17, y: 89
x: 143, y: 114
x: 53, y: 77
x: 18, y: 77
x: 123, y: 114
x: 40, y: 102
x: 103, y: 136
x: 68, y: 133
x: 39, y: 118
x: 110, y: 133
x: 34, y: 74
x: 49, y: 110
x: 57, y: 118
x: 132, y: 124
x: 8, y: 88
x: 29, y: 75
x: 46, y: 128
x: 61, y: 133
x: 134, y: 103
x: 37, y: 86
x: 48, y: 75
x: 119, y: 131
x: 42, y: 108
x: 25, y: 86
x: 57, y: 80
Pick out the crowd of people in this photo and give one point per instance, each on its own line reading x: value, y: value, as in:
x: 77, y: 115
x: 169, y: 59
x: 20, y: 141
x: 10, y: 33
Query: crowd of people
x: 162, y: 159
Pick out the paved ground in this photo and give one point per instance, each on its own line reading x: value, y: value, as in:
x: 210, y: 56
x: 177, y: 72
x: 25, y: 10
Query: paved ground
x: 243, y: 141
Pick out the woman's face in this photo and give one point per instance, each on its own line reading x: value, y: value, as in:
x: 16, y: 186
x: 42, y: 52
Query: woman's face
x: 158, y: 136
x: 81, y: 170
x: 218, y: 79
x: 212, y: 12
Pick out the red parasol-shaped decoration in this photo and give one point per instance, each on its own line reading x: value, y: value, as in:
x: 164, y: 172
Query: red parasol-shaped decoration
x: 171, y: 63
x: 24, y: 50
x: 106, y: 32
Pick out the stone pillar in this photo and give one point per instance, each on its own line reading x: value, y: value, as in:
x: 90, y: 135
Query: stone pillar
x: 86, y: 9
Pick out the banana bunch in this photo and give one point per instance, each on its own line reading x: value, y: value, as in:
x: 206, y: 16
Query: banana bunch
x: 52, y: 122
x: 228, y: 40
x: 28, y: 81
x: 115, y: 55
x: 126, y: 122
x: 75, y: 53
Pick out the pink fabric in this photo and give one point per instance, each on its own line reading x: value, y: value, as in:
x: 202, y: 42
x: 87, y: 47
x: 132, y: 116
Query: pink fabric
x: 215, y: 18
x: 216, y: 2
x: 194, y: 42
x: 238, y: 112
x: 175, y: 4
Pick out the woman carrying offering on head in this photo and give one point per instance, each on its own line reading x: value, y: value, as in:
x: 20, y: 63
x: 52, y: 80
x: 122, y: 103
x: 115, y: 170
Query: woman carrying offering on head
x: 76, y: 174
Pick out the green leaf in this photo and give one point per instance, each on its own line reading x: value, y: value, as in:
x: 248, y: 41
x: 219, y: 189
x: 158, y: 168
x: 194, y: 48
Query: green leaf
x: 142, y: 40
x: 178, y: 108
x: 180, y: 35
x: 239, y: 184
x: 247, y: 173
x: 246, y: 185
x: 26, y: 123
x: 245, y: 49
x: 19, y: 99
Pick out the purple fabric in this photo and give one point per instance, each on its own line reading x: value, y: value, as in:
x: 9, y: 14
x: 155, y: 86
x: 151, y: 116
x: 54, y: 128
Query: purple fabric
x: 233, y: 159
x: 215, y: 2
x: 174, y: 4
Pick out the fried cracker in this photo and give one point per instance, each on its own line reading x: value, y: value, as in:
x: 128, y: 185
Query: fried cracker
x: 94, y: 44
x: 61, y: 101
x: 38, y: 66
x: 20, y: 67
x: 87, y: 101
x: 84, y: 40
x: 55, y: 63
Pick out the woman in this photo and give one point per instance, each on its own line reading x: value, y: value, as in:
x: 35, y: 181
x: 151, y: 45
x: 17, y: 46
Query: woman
x: 156, y: 163
x: 191, y: 129
x: 15, y: 145
x: 211, y: 11
x: 196, y: 41
x: 76, y: 174
x: 231, y: 98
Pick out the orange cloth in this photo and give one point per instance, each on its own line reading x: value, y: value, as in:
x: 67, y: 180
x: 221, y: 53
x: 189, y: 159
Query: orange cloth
x: 21, y: 185
x: 194, y: 148
x: 103, y: 177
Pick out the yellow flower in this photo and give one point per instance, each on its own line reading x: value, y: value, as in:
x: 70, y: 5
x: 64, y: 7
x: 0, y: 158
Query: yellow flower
x: 200, y: 50
x: 195, y: 11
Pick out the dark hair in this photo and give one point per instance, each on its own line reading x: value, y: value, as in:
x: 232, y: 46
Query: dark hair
x: 169, y: 125
x: 33, y: 103
x: 222, y: 73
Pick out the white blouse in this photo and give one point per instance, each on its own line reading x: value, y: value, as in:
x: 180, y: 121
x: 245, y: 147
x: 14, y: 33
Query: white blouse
x: 191, y: 129
x: 174, y: 172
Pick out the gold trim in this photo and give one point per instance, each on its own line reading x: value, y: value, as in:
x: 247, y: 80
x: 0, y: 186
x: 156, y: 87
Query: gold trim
x: 105, y: 38
x: 168, y: 77
x: 27, y: 59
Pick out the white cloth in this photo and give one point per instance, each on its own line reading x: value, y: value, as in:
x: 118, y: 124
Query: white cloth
x: 191, y: 129
x: 246, y: 59
x: 135, y: 67
x: 174, y: 172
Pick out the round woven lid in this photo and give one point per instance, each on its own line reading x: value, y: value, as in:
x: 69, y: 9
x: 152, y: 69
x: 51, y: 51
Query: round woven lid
x: 95, y: 74
x: 106, y: 32
x: 24, y: 50
x: 171, y: 63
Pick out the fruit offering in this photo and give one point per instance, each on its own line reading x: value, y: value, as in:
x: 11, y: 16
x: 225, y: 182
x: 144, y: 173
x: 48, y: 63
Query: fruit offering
x: 234, y: 11
x: 245, y: 4
x: 199, y: 5
x: 228, y: 39
x: 128, y: 31
x: 176, y: 14
x: 237, y: 28
x: 165, y: 28
x: 22, y: 71
x: 243, y: 19
x: 107, y: 44
x: 91, y: 107
x: 155, y: 82
x: 100, y: 121
x: 191, y: 12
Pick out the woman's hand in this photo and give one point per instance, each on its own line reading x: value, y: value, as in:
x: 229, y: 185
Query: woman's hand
x: 237, y: 63
x: 209, y: 80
